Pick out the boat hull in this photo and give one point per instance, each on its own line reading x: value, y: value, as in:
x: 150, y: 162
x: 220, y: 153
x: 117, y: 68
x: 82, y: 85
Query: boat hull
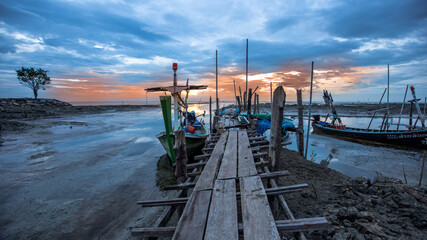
x: 193, y: 143
x: 413, y: 138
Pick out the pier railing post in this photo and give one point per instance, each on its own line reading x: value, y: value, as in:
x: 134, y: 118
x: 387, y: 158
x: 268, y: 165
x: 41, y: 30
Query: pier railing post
x: 300, y: 129
x: 181, y: 157
x: 279, y: 99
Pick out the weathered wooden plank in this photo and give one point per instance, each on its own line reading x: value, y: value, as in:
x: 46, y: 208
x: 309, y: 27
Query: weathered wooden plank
x: 245, y: 163
x: 192, y: 223
x: 153, y: 232
x: 274, y: 174
x: 195, y: 165
x: 222, y: 221
x: 303, y: 224
x: 228, y: 167
x: 155, y: 203
x: 207, y: 178
x: 179, y: 186
x: 258, y: 221
x: 227, y: 122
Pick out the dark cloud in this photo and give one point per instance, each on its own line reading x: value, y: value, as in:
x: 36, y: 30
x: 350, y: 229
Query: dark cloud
x: 375, y: 19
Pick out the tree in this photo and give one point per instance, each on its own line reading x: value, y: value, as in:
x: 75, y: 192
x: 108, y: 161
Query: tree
x: 34, y: 79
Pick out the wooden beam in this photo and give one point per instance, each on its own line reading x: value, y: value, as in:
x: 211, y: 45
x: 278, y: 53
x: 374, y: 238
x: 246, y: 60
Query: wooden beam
x: 297, y: 225
x: 178, y: 201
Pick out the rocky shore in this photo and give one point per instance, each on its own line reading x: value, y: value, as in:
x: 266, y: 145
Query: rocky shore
x: 16, y: 114
x: 355, y: 208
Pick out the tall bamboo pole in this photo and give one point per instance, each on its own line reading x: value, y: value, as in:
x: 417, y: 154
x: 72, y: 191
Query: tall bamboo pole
x: 216, y: 67
x: 401, y: 109
x: 235, y: 96
x: 309, y: 109
x: 247, y: 43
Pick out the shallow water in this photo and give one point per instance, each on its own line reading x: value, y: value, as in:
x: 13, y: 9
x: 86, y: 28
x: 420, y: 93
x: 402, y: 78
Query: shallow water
x: 79, y: 177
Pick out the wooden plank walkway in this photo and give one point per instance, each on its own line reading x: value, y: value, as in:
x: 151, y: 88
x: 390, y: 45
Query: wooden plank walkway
x: 222, y: 221
x: 211, y: 209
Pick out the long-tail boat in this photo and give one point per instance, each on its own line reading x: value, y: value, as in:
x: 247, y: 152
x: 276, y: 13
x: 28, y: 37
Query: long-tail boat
x: 195, y: 131
x: 414, y: 136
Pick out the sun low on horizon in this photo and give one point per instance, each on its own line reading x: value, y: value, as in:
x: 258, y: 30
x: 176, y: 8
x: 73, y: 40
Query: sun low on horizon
x: 112, y: 50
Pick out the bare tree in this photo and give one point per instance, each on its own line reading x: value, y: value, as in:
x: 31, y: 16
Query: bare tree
x: 34, y: 79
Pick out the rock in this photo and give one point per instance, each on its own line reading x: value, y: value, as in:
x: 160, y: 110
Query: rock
x: 366, y: 215
x: 346, y: 223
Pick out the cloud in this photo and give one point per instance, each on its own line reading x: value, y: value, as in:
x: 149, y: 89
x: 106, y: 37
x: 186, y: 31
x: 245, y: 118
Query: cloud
x: 124, y: 43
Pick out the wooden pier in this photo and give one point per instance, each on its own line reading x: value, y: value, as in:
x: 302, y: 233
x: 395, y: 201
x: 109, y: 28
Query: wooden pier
x: 232, y: 189
x: 232, y: 179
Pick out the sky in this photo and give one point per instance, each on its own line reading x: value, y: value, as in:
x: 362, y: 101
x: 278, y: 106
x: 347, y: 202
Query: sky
x: 111, y: 50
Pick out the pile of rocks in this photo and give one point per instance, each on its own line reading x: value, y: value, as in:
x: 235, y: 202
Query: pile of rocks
x: 384, y: 209
x: 355, y: 208
x: 30, y: 102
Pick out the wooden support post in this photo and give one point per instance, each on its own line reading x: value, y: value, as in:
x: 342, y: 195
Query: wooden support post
x: 255, y: 106
x: 422, y: 169
x: 181, y: 156
x: 309, y: 110
x: 215, y: 122
x: 279, y: 99
x: 249, y: 103
x: 300, y: 130
x: 245, y: 100
x: 235, y: 95
x: 210, y: 114
x: 257, y: 103
x: 410, y: 115
x: 239, y: 104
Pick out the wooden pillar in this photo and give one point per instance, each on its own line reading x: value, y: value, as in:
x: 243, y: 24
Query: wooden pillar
x: 255, y: 104
x: 210, y: 114
x: 249, y: 103
x: 300, y: 129
x: 181, y: 157
x: 245, y: 101
x: 279, y: 99
x: 215, y: 122
x: 239, y: 104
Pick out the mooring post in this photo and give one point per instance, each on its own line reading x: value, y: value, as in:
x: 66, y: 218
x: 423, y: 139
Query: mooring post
x: 300, y: 129
x: 255, y: 103
x: 210, y: 114
x: 279, y: 99
x: 249, y: 103
x: 181, y: 157
x: 239, y: 104
x: 245, y: 99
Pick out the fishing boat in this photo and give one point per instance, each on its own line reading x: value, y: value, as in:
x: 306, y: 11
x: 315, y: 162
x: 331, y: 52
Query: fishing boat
x: 195, y: 131
x: 414, y: 136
